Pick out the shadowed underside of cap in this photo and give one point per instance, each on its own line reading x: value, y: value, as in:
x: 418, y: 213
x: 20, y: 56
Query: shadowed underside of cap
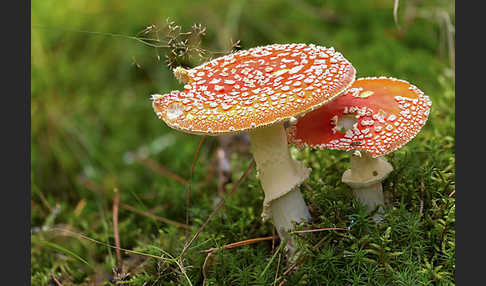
x: 254, y: 88
x: 387, y: 112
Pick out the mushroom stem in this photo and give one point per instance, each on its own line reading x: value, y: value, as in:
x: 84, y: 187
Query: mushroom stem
x: 279, y: 175
x: 365, y: 177
x: 287, y: 209
x: 371, y: 197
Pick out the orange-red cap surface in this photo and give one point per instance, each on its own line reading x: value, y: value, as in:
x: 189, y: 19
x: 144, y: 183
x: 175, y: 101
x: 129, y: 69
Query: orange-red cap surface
x: 254, y: 88
x: 389, y: 113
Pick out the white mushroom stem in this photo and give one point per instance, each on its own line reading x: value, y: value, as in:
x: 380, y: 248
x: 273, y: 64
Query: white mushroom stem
x: 365, y: 177
x: 287, y: 209
x: 280, y: 176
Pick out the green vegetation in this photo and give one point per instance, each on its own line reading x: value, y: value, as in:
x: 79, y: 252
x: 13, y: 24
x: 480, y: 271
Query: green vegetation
x: 94, y: 130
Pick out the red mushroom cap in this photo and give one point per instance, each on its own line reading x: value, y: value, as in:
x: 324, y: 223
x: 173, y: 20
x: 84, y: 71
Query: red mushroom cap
x: 254, y: 88
x: 389, y: 112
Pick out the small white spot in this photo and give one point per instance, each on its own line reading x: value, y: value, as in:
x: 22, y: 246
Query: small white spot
x: 365, y: 122
x: 156, y: 96
x: 174, y: 110
x: 280, y: 72
x: 295, y: 69
x: 349, y: 133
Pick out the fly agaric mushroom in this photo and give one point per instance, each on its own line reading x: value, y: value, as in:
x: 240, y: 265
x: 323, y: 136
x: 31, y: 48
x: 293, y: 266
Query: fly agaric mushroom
x: 256, y: 91
x: 374, y: 117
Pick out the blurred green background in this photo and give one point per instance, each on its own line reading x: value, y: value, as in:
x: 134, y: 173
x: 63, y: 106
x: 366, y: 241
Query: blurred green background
x: 91, y: 115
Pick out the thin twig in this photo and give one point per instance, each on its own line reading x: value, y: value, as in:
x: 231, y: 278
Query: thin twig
x: 44, y: 201
x: 307, y: 186
x: 276, y: 271
x: 421, y: 196
x: 90, y: 184
x: 452, y: 194
x: 286, y: 272
x: 79, y: 207
x: 221, y: 161
x: 55, y: 280
x: 159, y: 169
x: 67, y: 232
x: 188, y: 200
x: 395, y: 13
x: 450, y: 42
x: 339, y: 217
x: 241, y: 243
x: 273, y: 240
x: 116, y: 202
x: 293, y: 265
x: 159, y: 218
x: 205, y: 265
x: 320, y: 242
x: 138, y: 39
x: 218, y: 207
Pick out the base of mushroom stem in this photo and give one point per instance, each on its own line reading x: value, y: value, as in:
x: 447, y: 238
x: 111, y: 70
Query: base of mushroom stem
x: 372, y: 197
x: 286, y: 211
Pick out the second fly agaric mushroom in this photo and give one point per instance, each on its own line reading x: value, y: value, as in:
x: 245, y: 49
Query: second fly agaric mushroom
x: 256, y: 91
x: 372, y: 118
